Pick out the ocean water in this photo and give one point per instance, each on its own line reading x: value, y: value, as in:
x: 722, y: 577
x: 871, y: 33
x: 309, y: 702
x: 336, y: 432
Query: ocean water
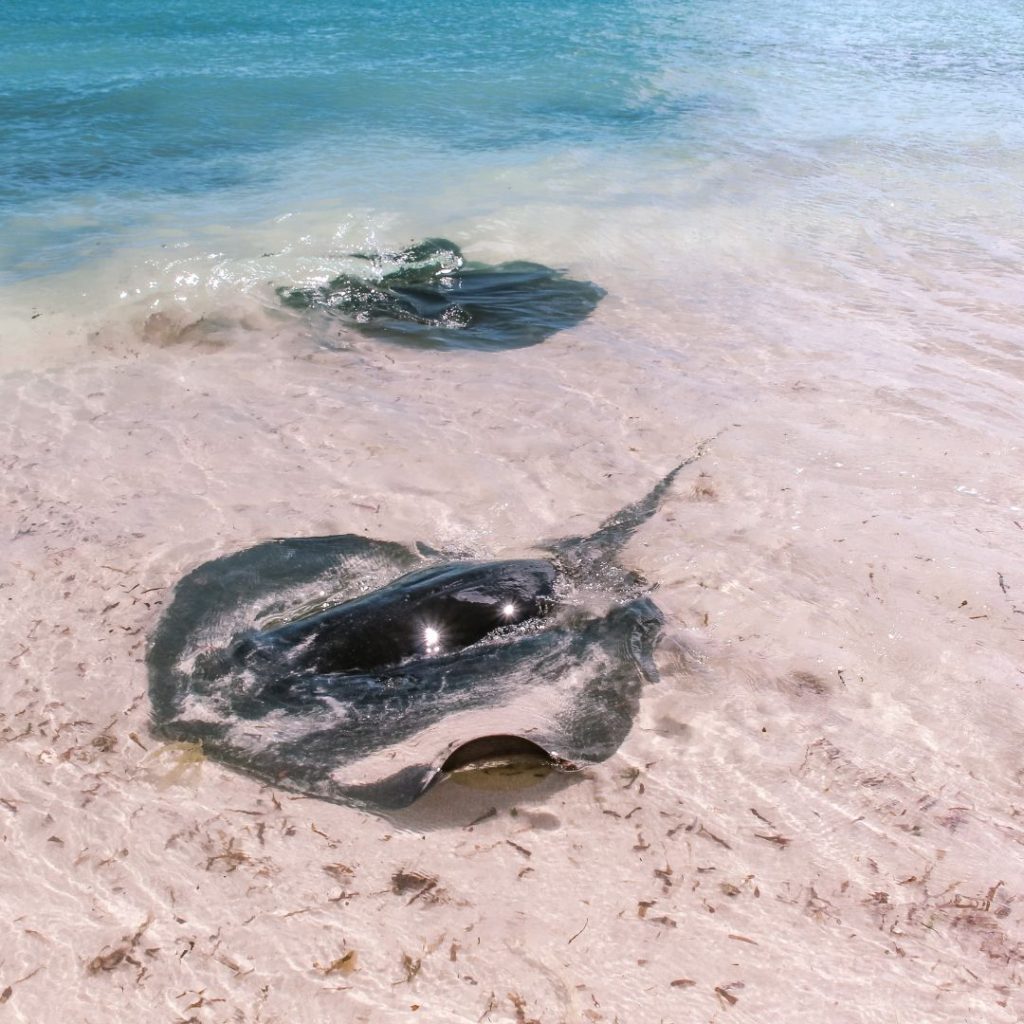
x: 120, y: 119
x: 806, y: 228
x: 132, y: 128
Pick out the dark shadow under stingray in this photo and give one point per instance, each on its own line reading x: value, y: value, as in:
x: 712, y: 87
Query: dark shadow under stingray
x: 428, y: 295
x: 363, y: 671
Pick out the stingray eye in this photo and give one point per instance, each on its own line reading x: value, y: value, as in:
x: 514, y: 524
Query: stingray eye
x: 508, y: 610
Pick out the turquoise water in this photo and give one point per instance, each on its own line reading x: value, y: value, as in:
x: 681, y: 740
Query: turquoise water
x: 132, y: 124
x: 112, y: 111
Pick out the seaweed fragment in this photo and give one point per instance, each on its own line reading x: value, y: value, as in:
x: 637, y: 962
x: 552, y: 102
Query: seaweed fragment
x: 344, y: 964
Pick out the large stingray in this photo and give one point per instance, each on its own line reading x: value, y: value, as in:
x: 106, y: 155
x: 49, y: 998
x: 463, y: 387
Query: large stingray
x: 429, y: 295
x: 362, y: 671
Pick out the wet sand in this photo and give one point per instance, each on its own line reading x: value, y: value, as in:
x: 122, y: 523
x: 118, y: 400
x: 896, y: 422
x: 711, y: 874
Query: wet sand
x: 819, y: 813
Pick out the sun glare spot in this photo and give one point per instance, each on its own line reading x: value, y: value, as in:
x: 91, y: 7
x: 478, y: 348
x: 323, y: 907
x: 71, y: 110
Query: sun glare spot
x: 509, y: 610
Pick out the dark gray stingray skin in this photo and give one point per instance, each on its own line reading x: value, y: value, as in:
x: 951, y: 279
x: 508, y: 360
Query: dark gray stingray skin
x: 352, y: 669
x: 428, y: 295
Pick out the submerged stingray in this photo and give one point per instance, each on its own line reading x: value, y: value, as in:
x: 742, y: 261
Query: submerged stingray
x: 363, y: 671
x: 429, y: 295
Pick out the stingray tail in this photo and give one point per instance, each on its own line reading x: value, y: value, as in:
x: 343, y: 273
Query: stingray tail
x: 605, y: 544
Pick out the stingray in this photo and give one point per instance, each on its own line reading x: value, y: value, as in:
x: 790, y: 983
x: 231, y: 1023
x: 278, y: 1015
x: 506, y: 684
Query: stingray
x: 429, y: 295
x: 364, y: 671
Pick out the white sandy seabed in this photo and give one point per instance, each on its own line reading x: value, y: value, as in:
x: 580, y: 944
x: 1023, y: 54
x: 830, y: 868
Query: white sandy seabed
x: 819, y: 813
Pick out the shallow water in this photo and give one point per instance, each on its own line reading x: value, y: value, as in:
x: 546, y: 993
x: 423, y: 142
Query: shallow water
x: 808, y: 225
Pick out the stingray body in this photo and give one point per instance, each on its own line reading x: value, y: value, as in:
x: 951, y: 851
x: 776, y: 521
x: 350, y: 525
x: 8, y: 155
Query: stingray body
x: 429, y: 295
x: 447, y: 606
x: 357, y: 670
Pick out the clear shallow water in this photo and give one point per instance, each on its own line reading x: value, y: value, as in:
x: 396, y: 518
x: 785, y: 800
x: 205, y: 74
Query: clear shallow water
x: 113, y: 113
x: 141, y: 124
